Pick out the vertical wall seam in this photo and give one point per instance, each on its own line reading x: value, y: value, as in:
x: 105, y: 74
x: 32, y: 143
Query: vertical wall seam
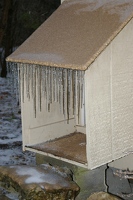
x: 111, y: 101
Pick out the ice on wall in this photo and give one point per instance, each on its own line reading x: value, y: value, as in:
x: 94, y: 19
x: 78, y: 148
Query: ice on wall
x: 49, y: 84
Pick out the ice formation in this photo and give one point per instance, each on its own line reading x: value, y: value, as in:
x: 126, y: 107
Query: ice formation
x: 65, y: 86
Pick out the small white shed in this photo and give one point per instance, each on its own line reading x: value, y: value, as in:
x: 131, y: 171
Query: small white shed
x: 76, y: 81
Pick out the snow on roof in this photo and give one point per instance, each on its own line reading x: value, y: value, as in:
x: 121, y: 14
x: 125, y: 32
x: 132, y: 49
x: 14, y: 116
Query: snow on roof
x: 76, y: 33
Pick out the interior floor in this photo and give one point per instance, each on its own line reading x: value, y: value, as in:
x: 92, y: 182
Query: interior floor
x: 72, y: 147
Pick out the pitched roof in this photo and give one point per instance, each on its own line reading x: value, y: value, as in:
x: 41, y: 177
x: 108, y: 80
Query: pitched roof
x: 76, y: 33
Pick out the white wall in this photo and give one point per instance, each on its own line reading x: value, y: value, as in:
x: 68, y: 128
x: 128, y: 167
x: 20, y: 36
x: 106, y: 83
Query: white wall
x: 122, y: 91
x: 109, y: 101
x: 98, y: 111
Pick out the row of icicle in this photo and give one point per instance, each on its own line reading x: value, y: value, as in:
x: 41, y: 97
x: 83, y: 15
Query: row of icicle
x: 65, y: 86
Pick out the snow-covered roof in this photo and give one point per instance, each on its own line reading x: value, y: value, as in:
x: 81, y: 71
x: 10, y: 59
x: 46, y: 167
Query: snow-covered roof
x: 76, y: 33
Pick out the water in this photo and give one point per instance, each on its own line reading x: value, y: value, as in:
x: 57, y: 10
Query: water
x: 49, y: 84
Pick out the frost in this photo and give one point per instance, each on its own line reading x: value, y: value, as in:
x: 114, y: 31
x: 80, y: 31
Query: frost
x: 35, y: 176
x: 10, y: 126
x: 121, y: 8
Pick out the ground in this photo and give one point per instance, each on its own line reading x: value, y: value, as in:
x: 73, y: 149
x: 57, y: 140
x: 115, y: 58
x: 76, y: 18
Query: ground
x: 11, y: 154
x: 10, y: 129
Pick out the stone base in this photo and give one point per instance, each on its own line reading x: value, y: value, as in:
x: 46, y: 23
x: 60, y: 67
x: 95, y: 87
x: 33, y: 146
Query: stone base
x: 119, y: 176
x: 119, y: 186
x: 102, y: 196
x: 89, y: 181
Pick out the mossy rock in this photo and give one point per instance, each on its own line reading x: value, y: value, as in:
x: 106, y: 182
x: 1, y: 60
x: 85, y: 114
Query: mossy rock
x: 102, y: 196
x: 39, y: 182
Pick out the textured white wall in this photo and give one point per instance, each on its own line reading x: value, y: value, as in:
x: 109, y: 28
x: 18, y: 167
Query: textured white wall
x: 122, y: 92
x: 98, y: 110
x: 109, y: 101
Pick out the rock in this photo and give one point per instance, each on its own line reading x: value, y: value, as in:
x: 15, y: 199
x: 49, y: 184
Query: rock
x: 39, y: 182
x: 102, y: 196
x: 3, y: 197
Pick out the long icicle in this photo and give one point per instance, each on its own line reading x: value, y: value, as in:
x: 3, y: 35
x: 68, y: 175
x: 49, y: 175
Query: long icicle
x: 34, y: 90
x: 64, y: 86
x: 19, y: 85
x: 60, y: 90
x: 22, y: 81
x: 63, y: 78
x: 78, y: 94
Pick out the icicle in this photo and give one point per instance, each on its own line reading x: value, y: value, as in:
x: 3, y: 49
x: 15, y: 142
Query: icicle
x: 31, y: 79
x: 40, y: 89
x: 60, y: 89
x: 34, y: 90
x: 82, y: 88
x: 22, y: 80
x: 19, y: 85
x: 74, y: 92
x: 83, y: 98
x: 12, y: 80
x: 27, y: 75
x: 68, y: 92
x: 47, y: 89
x: 65, y: 93
x: 8, y: 66
x: 29, y: 82
x: 16, y: 82
x: 26, y: 79
x: 54, y: 85
x: 45, y: 85
x: 51, y: 83
x: 57, y: 85
x: 61, y: 85
x: 43, y: 77
x: 63, y: 79
x: 12, y: 77
x: 39, y: 85
x: 78, y: 94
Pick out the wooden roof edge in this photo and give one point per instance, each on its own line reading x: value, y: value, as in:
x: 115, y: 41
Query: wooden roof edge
x: 73, y: 66
x: 45, y: 64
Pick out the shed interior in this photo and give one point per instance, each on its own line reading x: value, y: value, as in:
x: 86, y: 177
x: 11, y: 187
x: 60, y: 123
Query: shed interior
x: 54, y: 100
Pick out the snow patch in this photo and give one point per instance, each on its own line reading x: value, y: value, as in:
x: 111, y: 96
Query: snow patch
x: 46, y: 177
x: 10, y: 128
x: 120, y: 8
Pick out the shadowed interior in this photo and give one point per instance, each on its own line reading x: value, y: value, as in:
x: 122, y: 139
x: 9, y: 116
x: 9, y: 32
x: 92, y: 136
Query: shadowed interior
x: 72, y: 147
